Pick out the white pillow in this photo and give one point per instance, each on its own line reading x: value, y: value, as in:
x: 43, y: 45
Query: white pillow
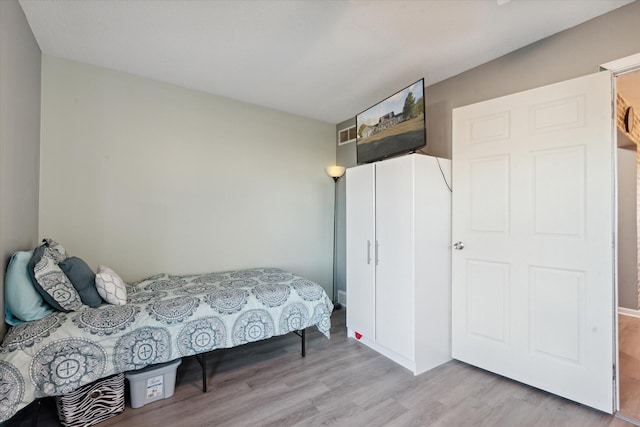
x: 110, y: 286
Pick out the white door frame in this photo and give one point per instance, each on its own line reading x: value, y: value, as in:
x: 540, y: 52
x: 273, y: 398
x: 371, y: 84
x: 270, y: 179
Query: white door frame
x: 624, y: 65
x: 618, y: 67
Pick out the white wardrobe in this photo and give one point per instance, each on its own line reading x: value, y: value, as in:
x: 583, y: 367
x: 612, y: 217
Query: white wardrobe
x: 398, y: 223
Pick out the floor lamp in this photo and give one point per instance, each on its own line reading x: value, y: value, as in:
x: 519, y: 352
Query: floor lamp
x: 335, y: 172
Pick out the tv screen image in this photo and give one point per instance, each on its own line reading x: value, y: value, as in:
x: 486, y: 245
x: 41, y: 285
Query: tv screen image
x: 393, y: 126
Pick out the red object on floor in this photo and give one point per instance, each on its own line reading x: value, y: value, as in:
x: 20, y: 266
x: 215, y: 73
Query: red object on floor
x: 358, y: 335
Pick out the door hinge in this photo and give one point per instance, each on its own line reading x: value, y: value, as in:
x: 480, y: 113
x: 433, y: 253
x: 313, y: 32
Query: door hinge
x: 614, y: 372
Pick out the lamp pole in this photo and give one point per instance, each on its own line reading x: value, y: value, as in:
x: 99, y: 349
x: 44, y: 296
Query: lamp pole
x: 336, y: 303
x: 335, y: 172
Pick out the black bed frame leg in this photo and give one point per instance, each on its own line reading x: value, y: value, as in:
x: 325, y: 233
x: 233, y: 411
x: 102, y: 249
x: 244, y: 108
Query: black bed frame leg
x: 303, y: 335
x: 204, y: 373
x: 202, y: 360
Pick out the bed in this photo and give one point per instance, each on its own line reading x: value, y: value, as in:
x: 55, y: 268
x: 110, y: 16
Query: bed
x: 166, y: 317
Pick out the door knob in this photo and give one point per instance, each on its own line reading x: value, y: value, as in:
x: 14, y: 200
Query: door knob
x: 458, y: 246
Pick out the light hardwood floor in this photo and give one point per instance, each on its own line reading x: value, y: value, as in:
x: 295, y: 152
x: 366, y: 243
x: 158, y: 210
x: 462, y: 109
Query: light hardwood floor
x: 341, y: 382
x: 629, y: 360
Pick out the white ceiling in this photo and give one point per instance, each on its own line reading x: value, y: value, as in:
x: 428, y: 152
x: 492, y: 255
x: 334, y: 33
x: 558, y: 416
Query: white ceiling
x: 323, y: 59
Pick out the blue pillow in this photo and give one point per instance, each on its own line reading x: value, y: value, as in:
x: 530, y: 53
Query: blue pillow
x: 83, y: 279
x: 22, y: 302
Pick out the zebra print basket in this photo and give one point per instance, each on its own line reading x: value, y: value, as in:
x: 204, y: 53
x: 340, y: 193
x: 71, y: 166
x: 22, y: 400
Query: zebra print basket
x: 92, y: 403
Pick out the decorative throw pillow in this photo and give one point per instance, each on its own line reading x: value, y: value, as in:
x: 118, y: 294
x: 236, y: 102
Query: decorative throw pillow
x: 50, y: 281
x: 59, y: 254
x: 54, y: 249
x: 110, y: 286
x: 83, y: 280
x: 22, y: 302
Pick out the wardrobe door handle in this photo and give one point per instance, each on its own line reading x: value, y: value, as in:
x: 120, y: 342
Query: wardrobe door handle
x: 368, y: 251
x: 377, y: 247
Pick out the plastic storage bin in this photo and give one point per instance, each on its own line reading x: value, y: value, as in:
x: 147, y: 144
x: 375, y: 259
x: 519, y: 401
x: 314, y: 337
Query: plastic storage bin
x: 152, y: 383
x: 92, y: 403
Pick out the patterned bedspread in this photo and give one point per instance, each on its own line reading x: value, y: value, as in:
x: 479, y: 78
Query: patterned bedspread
x: 166, y: 317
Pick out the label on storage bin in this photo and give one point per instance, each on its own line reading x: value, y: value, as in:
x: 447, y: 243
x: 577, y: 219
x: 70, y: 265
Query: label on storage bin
x: 154, y: 386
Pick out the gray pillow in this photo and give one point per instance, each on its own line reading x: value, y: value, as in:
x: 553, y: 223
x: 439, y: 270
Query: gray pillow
x: 83, y: 280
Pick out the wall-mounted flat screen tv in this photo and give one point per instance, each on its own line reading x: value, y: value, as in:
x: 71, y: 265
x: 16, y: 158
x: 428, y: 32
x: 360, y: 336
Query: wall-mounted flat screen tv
x: 393, y: 126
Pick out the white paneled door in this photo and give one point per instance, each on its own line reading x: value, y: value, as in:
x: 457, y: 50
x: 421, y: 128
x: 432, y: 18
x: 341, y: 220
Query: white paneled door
x: 533, y: 284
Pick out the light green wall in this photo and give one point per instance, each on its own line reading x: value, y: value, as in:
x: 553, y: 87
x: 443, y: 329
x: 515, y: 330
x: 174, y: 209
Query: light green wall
x: 147, y: 177
x: 19, y: 137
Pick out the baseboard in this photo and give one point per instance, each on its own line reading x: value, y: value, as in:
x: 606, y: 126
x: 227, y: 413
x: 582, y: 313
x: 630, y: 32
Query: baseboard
x: 342, y: 298
x: 628, y: 312
x: 627, y: 419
